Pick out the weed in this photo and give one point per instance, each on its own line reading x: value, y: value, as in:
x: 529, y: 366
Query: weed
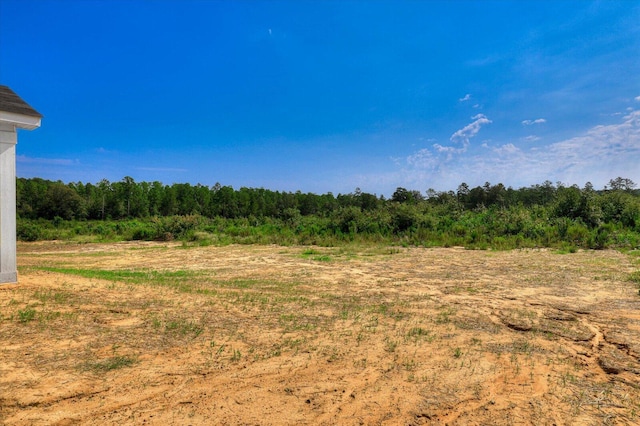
x: 156, y: 323
x: 293, y: 322
x: 457, y: 353
x: 316, y: 255
x: 360, y: 363
x: 344, y: 313
x: 113, y: 363
x: 178, y: 326
x: 566, y: 249
x: 444, y: 316
x: 49, y: 316
x: 220, y: 350
x: 184, y: 327
x: 418, y: 331
x: 390, y: 345
x: 26, y: 315
x: 276, y: 352
x: 310, y: 252
x: 410, y: 364
x: 567, y: 378
x: 523, y: 346
x: 48, y: 295
x: 236, y: 355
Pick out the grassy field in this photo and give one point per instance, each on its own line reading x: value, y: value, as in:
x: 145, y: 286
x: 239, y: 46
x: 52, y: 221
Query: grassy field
x: 165, y: 333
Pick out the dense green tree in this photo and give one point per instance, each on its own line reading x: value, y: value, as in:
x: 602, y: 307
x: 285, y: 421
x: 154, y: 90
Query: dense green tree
x: 169, y: 201
x: 155, y: 194
x: 61, y: 201
x: 621, y: 184
x: 402, y: 195
x: 540, y: 214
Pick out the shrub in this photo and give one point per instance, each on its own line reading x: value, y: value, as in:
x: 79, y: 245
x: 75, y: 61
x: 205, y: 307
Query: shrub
x: 28, y: 231
x: 600, y: 238
x: 578, y: 234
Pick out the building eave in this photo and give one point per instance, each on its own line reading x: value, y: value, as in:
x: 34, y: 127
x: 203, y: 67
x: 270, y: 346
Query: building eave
x: 20, y: 121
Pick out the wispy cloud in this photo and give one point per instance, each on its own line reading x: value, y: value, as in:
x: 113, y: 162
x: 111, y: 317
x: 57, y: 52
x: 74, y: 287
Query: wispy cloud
x: 48, y: 161
x: 463, y: 137
x: 487, y: 60
x: 637, y: 98
x: 506, y: 149
x: 470, y: 130
x: 465, y: 98
x: 423, y: 159
x: 601, y: 153
x: 531, y: 122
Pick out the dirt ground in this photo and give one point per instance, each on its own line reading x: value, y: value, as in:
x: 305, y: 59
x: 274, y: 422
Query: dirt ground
x: 159, y: 333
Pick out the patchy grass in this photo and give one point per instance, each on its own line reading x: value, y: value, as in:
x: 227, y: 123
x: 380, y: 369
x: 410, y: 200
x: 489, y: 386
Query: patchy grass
x: 109, y: 364
x: 395, y: 334
x: 128, y: 276
x: 26, y: 315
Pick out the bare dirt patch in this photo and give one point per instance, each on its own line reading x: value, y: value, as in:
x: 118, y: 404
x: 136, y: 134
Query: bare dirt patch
x: 157, y: 333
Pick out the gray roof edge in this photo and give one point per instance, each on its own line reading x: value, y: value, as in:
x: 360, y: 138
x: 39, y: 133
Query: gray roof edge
x: 11, y: 102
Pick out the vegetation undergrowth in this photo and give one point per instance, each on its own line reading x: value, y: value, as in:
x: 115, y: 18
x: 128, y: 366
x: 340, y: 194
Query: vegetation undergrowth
x: 485, y: 217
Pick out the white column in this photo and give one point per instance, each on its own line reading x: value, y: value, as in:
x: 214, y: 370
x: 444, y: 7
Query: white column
x: 8, y: 264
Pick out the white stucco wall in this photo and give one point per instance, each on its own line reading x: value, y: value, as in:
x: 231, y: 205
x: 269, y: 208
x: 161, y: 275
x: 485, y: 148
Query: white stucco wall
x: 8, y: 265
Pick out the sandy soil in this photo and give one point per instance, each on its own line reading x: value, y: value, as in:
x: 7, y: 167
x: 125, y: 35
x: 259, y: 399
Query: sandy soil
x: 157, y: 333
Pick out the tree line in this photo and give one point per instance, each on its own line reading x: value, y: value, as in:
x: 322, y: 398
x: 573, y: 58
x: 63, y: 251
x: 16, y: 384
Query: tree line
x: 542, y: 214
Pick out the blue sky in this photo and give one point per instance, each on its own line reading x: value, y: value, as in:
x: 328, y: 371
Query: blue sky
x: 324, y: 96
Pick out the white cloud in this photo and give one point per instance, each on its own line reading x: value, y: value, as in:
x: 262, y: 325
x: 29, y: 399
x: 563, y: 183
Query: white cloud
x: 531, y: 122
x: 637, y: 98
x: 422, y: 159
x: 597, y: 155
x: 49, y: 161
x: 465, y: 98
x: 532, y: 138
x: 449, y: 149
x: 506, y: 149
x: 470, y: 130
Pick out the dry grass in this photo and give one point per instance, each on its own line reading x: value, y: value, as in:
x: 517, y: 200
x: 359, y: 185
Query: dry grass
x: 162, y: 334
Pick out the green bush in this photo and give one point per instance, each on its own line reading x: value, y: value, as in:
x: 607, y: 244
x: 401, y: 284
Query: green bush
x: 600, y: 237
x: 578, y: 234
x: 26, y: 231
